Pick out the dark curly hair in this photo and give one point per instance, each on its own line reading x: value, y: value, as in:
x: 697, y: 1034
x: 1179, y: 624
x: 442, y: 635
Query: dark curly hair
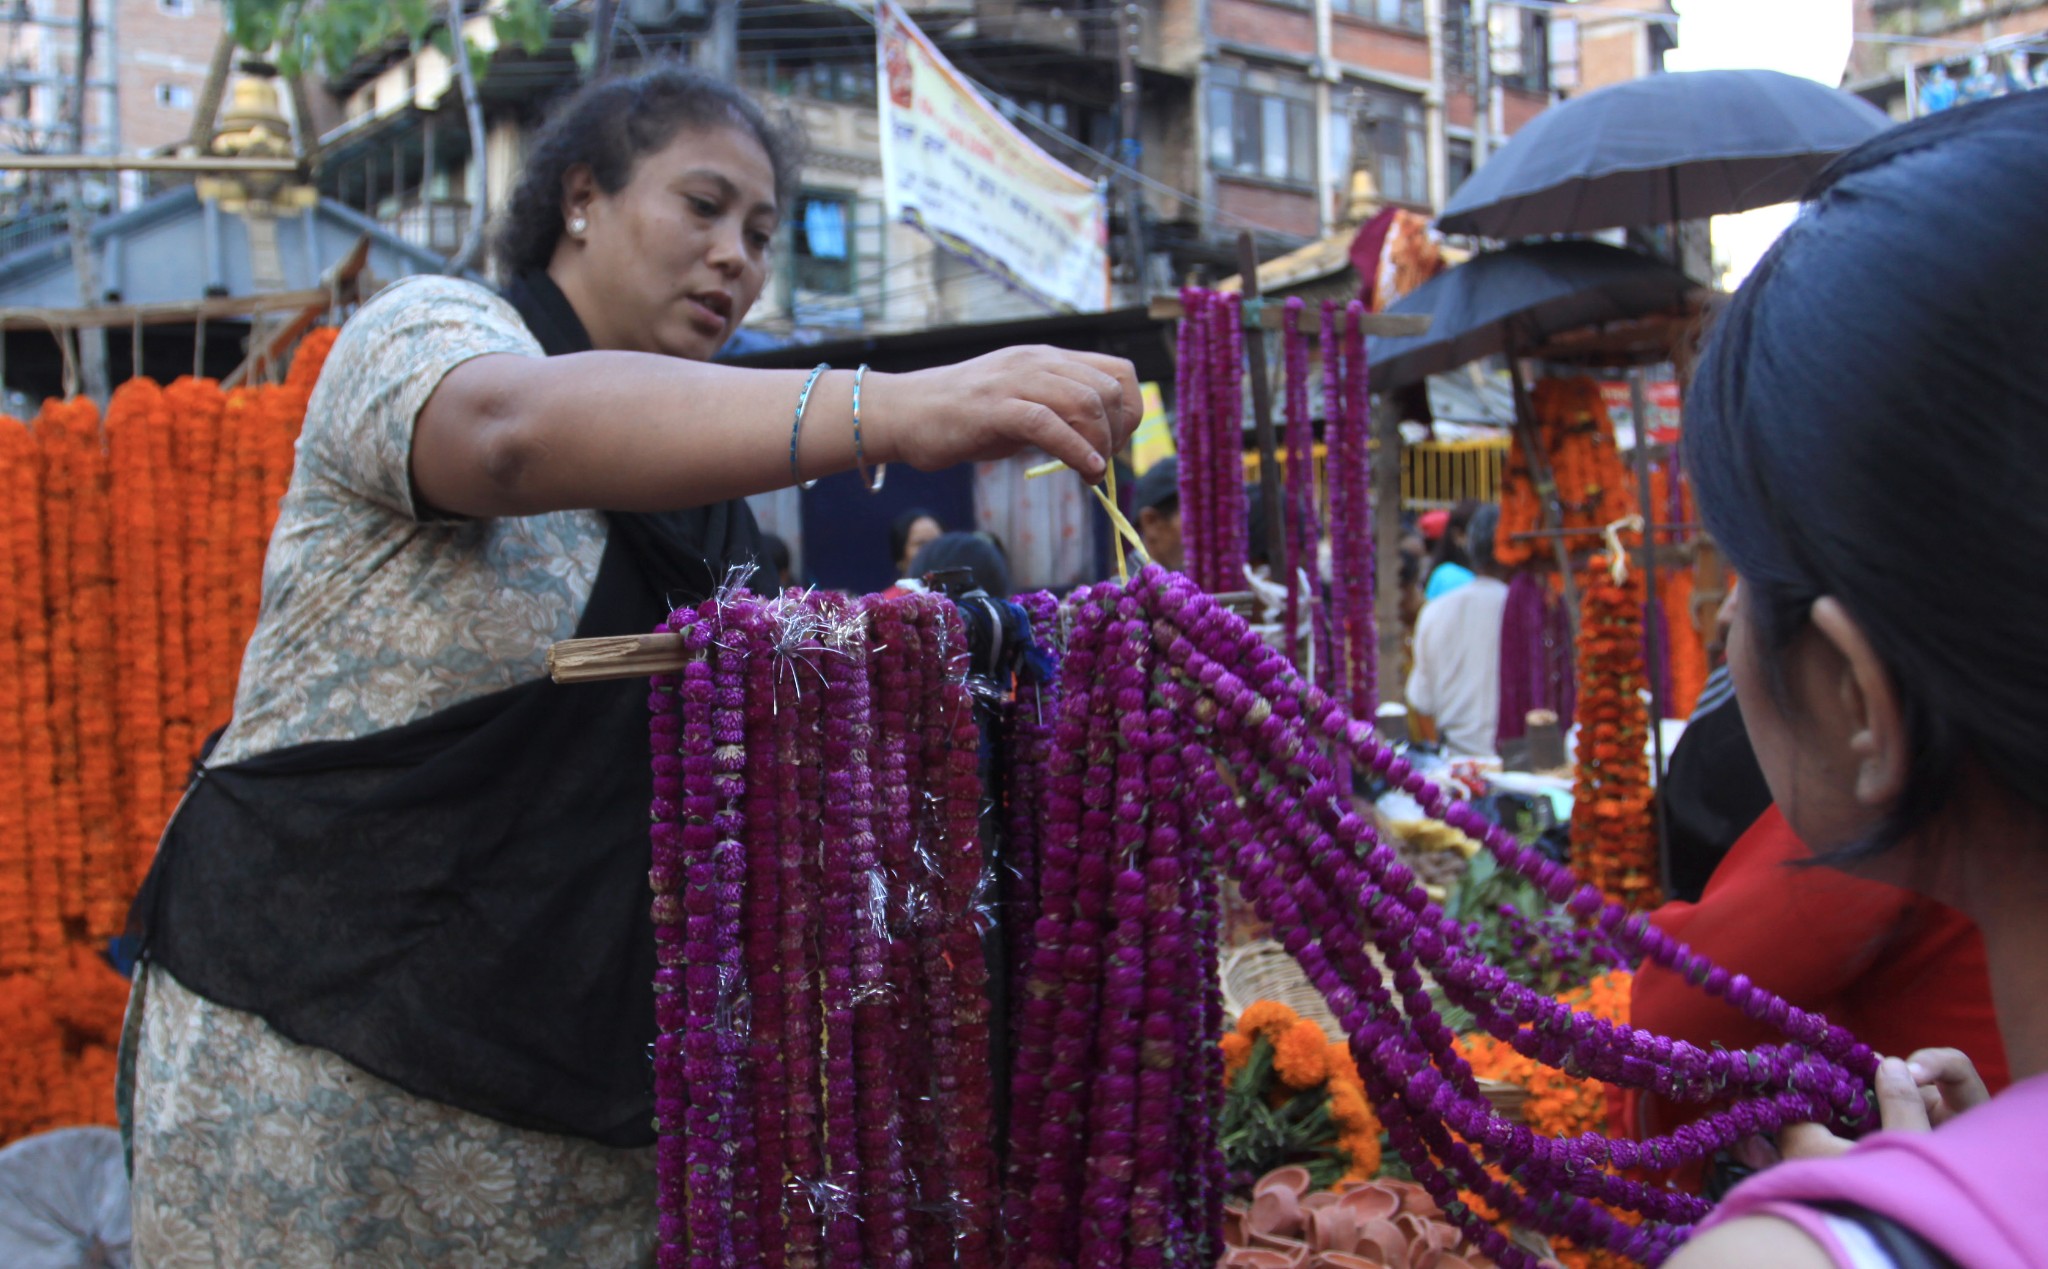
x: 609, y: 124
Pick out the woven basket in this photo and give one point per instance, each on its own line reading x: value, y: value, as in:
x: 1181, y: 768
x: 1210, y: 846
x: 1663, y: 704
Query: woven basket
x: 1263, y: 970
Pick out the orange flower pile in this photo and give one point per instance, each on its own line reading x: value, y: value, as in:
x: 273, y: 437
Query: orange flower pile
x: 1592, y: 482
x: 1614, y: 840
x: 1559, y: 1105
x: 1305, y: 1060
x: 151, y: 523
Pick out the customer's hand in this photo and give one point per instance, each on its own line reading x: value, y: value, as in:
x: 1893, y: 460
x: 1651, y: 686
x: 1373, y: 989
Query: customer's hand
x: 1078, y: 407
x: 1914, y: 1094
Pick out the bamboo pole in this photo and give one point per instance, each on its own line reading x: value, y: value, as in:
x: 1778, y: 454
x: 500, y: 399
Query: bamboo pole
x: 197, y: 163
x: 1273, y: 317
x: 174, y: 312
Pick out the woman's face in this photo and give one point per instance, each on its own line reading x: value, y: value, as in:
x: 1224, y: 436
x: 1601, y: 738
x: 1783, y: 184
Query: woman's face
x: 1804, y: 737
x: 672, y: 261
x: 922, y: 531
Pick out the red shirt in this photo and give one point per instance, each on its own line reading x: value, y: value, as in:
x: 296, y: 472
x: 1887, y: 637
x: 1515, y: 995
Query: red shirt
x: 1899, y: 970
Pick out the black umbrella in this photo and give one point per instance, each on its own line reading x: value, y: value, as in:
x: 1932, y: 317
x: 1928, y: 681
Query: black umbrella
x: 1519, y: 295
x: 1659, y: 149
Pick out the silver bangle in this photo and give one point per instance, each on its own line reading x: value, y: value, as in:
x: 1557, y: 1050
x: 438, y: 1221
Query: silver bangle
x: 860, y: 463
x: 796, y: 427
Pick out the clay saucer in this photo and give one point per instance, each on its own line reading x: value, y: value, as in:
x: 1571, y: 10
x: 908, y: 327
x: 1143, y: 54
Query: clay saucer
x: 1320, y: 1199
x: 1384, y: 1239
x: 1333, y: 1229
x: 1277, y: 1211
x: 1237, y: 1228
x: 1254, y: 1258
x: 1345, y: 1260
x: 1291, y: 1178
x: 1294, y: 1249
x: 1371, y: 1202
x: 1445, y: 1236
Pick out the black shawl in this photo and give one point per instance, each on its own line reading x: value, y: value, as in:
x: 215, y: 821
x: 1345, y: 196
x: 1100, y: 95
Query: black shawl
x: 458, y: 905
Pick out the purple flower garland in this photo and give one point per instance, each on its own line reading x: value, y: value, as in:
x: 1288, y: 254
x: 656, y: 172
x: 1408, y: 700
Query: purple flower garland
x: 815, y: 857
x: 1192, y: 399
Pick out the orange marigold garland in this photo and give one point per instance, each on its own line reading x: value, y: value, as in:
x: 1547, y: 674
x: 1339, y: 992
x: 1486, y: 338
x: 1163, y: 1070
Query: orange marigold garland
x: 103, y: 884
x: 1614, y: 843
x: 197, y: 409
x: 136, y: 413
x: 159, y: 439
x: 1592, y: 483
x: 165, y: 517
x: 19, y: 611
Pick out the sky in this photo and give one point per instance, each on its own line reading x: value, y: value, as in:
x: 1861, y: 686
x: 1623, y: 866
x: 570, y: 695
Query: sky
x: 1800, y: 37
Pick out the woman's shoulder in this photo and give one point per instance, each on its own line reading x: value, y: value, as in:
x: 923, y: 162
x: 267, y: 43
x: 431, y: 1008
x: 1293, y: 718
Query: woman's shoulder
x: 1972, y: 1187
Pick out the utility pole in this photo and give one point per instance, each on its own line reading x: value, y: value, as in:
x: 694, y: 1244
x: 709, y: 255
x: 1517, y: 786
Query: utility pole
x: 718, y: 53
x: 92, y: 344
x: 1131, y: 148
x: 1482, y: 82
x: 601, y: 23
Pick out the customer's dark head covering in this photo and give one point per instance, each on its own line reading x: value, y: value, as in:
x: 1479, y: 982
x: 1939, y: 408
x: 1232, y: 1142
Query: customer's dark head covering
x: 1159, y: 488
x: 976, y: 552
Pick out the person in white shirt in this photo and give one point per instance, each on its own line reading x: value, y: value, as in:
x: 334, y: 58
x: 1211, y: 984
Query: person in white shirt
x: 1456, y: 679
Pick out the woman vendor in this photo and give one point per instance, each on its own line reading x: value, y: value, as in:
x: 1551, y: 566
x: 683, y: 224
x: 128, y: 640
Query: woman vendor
x: 396, y: 1003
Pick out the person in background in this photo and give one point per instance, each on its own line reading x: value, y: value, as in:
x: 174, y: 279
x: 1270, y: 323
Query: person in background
x: 1414, y: 555
x: 1157, y: 503
x: 1452, y: 565
x: 979, y: 553
x: 908, y: 535
x: 1870, y: 397
x: 775, y: 558
x: 1712, y: 790
x: 1456, y: 679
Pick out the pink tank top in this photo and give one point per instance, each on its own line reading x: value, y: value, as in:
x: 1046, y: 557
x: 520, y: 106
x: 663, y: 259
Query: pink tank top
x: 1977, y: 1188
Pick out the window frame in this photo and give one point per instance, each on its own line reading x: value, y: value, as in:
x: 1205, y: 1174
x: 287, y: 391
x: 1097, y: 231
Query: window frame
x: 1252, y: 112
x: 808, y: 270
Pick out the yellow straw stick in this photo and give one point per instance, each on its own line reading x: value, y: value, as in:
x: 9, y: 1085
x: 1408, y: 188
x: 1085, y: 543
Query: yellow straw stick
x: 1125, y: 533
x: 1123, y: 574
x: 1044, y: 469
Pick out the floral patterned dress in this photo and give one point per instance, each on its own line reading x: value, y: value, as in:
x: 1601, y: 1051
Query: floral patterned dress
x: 250, y: 1149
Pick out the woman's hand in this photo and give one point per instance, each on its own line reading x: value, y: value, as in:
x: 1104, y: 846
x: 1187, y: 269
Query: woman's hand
x: 1914, y: 1094
x: 1078, y: 407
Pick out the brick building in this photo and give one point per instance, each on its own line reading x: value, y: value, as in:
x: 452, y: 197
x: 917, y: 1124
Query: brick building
x: 149, y: 60
x: 1252, y: 114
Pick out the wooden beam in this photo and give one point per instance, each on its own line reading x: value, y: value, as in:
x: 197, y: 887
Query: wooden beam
x: 616, y: 657
x: 1273, y: 315
x: 197, y: 163
x: 164, y: 314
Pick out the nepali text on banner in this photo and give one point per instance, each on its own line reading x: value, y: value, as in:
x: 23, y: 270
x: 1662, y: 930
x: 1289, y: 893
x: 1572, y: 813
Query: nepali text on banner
x: 958, y: 170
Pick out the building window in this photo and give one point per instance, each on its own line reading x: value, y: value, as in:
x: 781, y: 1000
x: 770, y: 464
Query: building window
x: 821, y: 235
x: 1387, y: 139
x: 1520, y: 39
x: 839, y: 81
x: 1406, y: 14
x: 1457, y: 164
x: 1261, y: 124
x: 174, y: 8
x: 174, y: 96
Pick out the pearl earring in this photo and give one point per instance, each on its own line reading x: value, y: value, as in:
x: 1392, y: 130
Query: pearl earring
x: 577, y: 225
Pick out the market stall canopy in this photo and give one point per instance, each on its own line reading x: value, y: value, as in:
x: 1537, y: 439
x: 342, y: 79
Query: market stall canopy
x: 1517, y: 296
x: 1660, y: 149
